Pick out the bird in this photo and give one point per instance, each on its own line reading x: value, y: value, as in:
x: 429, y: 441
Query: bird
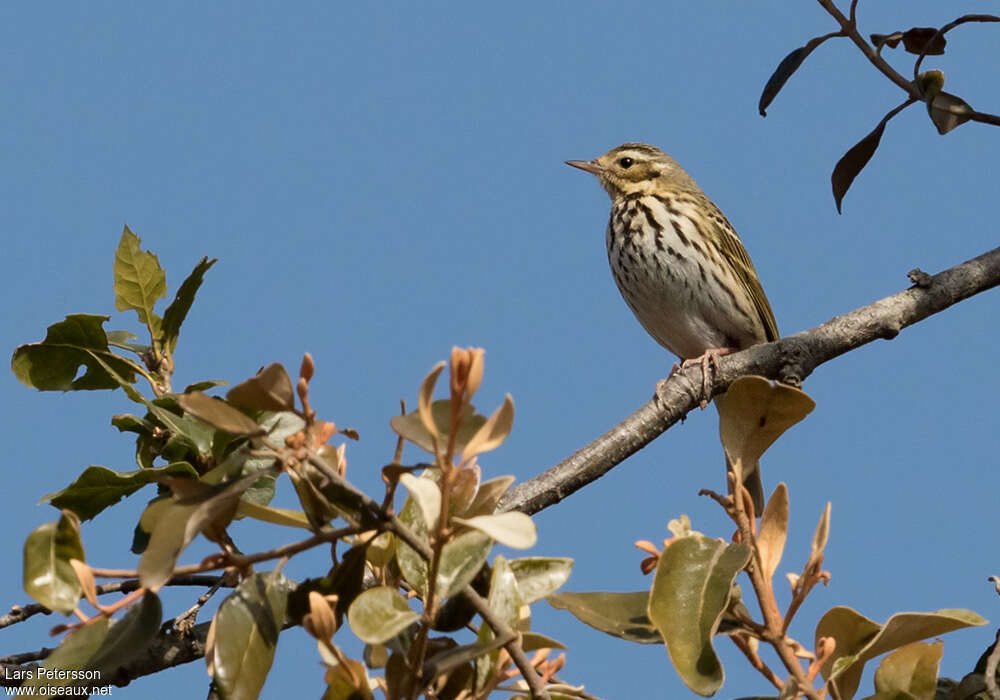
x: 680, y: 265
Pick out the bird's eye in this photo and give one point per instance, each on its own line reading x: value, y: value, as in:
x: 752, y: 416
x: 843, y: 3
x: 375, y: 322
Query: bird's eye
x: 625, y: 162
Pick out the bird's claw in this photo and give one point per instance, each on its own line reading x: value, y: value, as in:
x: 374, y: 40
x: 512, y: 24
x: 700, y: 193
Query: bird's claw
x: 709, y: 361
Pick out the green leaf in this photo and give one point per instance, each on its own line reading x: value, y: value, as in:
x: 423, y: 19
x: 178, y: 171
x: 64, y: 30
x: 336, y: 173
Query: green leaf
x: 139, y: 281
x: 78, y: 341
x: 538, y: 577
x: 461, y: 560
x: 859, y: 639
x: 208, y: 511
x: 188, y: 431
x: 175, y: 314
x: 532, y: 641
x: 99, y: 487
x: 691, y: 590
x: 513, y: 529
x: 427, y: 494
x: 379, y: 614
x: 218, y: 414
x: 277, y: 516
x: 245, y: 633
x: 622, y: 615
x: 504, y: 600
x: 127, y: 638
x: 127, y: 423
x: 909, y: 672
x: 72, y: 655
x: 48, y: 576
x: 269, y: 390
x: 411, y: 564
x: 278, y: 426
x: 123, y: 340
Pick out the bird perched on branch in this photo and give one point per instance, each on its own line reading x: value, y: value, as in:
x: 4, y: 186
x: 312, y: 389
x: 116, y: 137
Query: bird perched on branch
x: 680, y: 265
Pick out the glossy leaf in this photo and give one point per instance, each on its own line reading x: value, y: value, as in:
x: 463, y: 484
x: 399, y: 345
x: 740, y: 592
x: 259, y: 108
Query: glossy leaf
x: 859, y: 639
x: 411, y: 564
x: 427, y: 494
x: 186, y: 431
x: 513, y: 529
x: 245, y: 634
x: 505, y: 600
x: 175, y: 314
x: 218, y: 414
x: 948, y: 111
x: 269, y: 390
x: 379, y: 614
x: 622, y: 615
x: 139, y: 281
x: 49, y: 578
x: 99, y: 487
x: 691, y: 591
x: 461, y: 560
x: 77, y: 341
x: 538, y: 577
x: 909, y: 672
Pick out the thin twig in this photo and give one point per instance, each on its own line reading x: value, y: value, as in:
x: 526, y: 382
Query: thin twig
x: 944, y: 30
x: 758, y: 663
x: 242, y: 561
x: 850, y: 29
x: 20, y: 613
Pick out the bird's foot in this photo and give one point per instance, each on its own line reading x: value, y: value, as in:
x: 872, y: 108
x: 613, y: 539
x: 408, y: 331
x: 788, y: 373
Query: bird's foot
x: 709, y: 361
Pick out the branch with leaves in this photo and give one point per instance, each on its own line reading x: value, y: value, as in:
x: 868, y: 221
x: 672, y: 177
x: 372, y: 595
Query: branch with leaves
x: 213, y: 460
x: 945, y: 110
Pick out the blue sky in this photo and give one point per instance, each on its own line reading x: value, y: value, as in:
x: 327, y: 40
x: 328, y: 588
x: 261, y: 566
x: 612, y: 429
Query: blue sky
x: 383, y: 181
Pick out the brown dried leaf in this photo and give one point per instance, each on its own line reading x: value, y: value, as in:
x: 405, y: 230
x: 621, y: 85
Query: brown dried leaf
x: 773, y: 530
x: 269, y: 390
x: 424, y: 398
x: 924, y: 40
x: 853, y: 162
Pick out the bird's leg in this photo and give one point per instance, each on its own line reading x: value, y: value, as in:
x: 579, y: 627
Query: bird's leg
x: 708, y: 360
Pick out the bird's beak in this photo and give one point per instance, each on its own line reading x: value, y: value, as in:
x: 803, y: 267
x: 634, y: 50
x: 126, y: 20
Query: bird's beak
x: 587, y: 165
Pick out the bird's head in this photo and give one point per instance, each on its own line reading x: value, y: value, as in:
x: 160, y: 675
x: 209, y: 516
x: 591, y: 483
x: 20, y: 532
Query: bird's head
x: 635, y: 168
